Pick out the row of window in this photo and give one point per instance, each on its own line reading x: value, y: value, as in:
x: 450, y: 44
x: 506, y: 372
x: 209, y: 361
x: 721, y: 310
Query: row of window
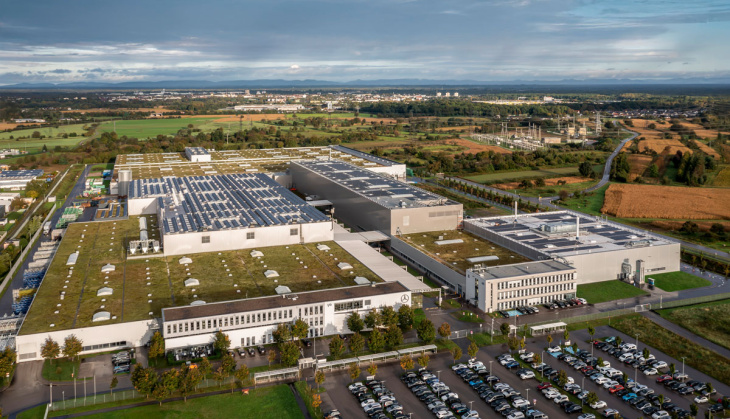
x: 351, y: 305
x: 255, y: 319
x: 528, y: 282
x: 532, y: 301
x: 251, y: 235
x: 535, y: 291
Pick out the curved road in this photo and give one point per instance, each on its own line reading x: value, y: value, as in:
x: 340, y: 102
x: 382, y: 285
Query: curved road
x: 609, y: 160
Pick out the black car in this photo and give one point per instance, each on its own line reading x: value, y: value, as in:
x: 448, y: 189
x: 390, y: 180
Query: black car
x: 715, y: 408
x: 251, y: 352
x: 649, y: 410
x: 261, y: 349
x: 573, y: 408
x: 306, y: 342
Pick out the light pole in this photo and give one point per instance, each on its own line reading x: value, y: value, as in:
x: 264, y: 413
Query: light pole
x: 470, y: 404
x: 527, y: 394
x: 438, y: 375
x: 490, y: 367
x: 636, y: 380
x: 582, y: 388
x: 637, y: 342
x: 491, y: 334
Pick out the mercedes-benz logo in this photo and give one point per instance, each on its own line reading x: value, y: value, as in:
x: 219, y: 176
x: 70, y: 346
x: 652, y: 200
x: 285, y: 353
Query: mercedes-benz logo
x: 404, y: 298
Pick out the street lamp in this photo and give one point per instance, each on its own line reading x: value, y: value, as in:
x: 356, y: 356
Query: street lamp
x: 527, y: 395
x: 582, y: 388
x: 490, y: 367
x: 470, y: 404
x: 637, y: 342
x: 683, y: 364
x: 438, y: 375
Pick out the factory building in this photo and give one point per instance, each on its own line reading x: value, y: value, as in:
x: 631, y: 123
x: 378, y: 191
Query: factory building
x: 197, y: 154
x: 226, y: 212
x: 252, y: 321
x: 598, y: 249
x: 16, y: 180
x: 369, y: 201
x: 523, y: 284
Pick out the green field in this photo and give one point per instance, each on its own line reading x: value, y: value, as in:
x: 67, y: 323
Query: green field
x: 54, y: 137
x: 264, y: 402
x: 146, y: 128
x: 571, y: 188
x: 524, y: 174
x: 677, y: 281
x: 675, y: 346
x: 590, y: 203
x: 600, y: 292
x: 708, y: 320
x: 37, y: 412
x: 60, y: 369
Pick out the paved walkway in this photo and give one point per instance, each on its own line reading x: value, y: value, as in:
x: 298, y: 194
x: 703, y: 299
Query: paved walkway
x: 681, y: 331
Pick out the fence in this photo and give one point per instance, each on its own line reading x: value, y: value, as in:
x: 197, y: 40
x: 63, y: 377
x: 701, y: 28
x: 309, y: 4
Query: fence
x: 107, y: 397
x: 691, y: 301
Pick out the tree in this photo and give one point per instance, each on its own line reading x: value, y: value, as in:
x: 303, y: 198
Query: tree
x: 354, y: 371
x: 618, y: 340
x: 592, y: 398
x: 72, y: 346
x: 562, y: 378
x: 372, y: 369
x: 288, y: 354
x: 672, y: 368
x: 472, y: 350
x: 456, y: 353
x: 355, y: 323
x: 709, y: 387
x: 566, y: 336
x: 393, y: 336
x: 388, y: 316
x: 357, y: 342
x: 526, y: 184
x: 661, y: 399
x: 188, y: 381
x: 694, y: 410
x: 444, y: 330
x: 242, y: 373
x: 405, y: 317
x: 423, y: 360
x: 319, y: 378
x: 406, y: 362
x: 376, y: 343
x: 372, y: 319
x: 144, y: 379
x: 585, y: 169
x: 205, y: 367
x: 591, y: 331
x: 549, y: 340
x: 113, y: 384
x: 426, y: 331
x: 337, y: 347
x: 316, y: 400
x: 219, y: 375
x: 229, y: 364
x: 271, y: 356
x: 282, y: 333
x: 645, y: 353
x: 221, y: 342
x: 504, y: 328
x: 50, y: 349
x: 157, y: 345
x: 300, y: 329
x: 563, y: 195
x: 513, y: 343
x: 168, y: 383
x: 599, y: 361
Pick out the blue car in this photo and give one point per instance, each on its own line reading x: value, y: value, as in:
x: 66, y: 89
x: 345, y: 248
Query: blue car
x: 512, y: 364
x: 629, y: 396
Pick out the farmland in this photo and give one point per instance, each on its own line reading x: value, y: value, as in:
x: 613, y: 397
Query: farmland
x: 638, y: 163
x: 651, y: 201
x: 722, y: 178
x: 503, y: 177
x: 54, y: 137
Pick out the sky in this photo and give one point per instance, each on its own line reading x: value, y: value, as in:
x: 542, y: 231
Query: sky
x: 343, y: 40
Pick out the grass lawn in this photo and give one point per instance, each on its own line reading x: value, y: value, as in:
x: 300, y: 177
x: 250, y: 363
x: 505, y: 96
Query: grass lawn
x: 708, y: 320
x: 418, y: 316
x: 37, y: 412
x: 590, y: 203
x: 259, y: 403
x: 467, y: 316
x: 600, y: 292
x: 677, y: 281
x: 675, y: 346
x: 524, y: 174
x: 60, y: 369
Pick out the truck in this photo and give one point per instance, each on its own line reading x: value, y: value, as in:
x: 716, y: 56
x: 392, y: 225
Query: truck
x: 47, y: 228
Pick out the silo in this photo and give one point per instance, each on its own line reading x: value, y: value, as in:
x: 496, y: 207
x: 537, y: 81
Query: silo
x: 125, y: 178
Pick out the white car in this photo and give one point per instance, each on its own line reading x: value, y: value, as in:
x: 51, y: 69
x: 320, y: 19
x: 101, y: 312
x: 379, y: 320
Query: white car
x: 602, y: 380
x: 587, y: 416
x: 459, y: 367
x: 610, y: 413
x: 516, y: 415
x: 651, y: 371
x: 520, y: 402
x: 598, y: 405
x: 353, y: 386
x: 553, y: 349
x: 662, y: 414
x: 470, y: 415
x: 552, y: 394
x: 560, y: 398
x: 506, y: 360
x: 527, y: 355
x: 610, y: 384
x: 527, y: 375
x: 701, y: 399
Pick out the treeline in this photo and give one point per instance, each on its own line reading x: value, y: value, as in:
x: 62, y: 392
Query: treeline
x: 459, y: 108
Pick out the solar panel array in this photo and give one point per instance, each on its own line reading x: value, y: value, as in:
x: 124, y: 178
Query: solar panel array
x: 21, y: 174
x: 220, y: 202
x: 384, y: 190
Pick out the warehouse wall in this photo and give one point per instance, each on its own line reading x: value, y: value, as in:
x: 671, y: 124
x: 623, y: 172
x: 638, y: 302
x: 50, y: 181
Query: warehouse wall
x: 423, y: 263
x: 602, y: 266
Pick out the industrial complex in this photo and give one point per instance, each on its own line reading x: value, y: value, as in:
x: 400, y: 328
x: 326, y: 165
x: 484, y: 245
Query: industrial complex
x: 242, y: 241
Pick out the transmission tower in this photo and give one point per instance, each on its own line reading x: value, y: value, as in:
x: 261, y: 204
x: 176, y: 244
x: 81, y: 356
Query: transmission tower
x: 598, y: 123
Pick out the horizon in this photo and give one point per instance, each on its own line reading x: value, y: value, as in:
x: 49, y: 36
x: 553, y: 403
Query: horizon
x: 498, y: 41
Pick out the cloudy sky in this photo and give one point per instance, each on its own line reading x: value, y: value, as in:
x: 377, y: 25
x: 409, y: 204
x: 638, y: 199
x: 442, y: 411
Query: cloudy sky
x: 342, y: 40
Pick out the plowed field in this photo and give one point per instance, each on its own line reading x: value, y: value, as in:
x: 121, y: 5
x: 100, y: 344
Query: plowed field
x: 670, y: 202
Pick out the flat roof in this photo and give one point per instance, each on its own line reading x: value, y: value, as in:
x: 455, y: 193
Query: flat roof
x: 383, y: 190
x: 146, y: 284
x: 596, y: 234
x: 522, y: 269
x: 196, y: 151
x: 20, y: 174
x: 221, y: 202
x: 289, y: 300
x: 154, y: 165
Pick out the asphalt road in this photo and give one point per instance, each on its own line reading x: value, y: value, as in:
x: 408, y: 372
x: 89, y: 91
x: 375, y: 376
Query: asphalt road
x: 7, y: 299
x: 609, y: 160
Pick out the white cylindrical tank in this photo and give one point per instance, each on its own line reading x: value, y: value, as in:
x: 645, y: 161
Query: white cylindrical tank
x: 142, y: 224
x: 143, y: 235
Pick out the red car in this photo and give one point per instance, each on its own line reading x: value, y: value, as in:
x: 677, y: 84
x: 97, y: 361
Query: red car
x: 663, y: 378
x: 617, y: 387
x: 543, y: 386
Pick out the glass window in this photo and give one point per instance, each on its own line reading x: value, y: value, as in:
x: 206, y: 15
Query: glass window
x: 294, y: 232
x: 250, y: 235
x: 206, y: 239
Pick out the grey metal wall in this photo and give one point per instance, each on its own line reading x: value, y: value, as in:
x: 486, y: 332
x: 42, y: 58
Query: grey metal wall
x: 512, y: 245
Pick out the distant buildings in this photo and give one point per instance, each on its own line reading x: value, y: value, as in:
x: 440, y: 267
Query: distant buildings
x: 16, y: 180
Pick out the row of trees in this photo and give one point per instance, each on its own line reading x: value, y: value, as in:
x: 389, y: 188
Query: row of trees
x: 51, y: 350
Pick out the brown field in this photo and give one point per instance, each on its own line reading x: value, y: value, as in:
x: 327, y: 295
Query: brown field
x: 11, y: 125
x: 701, y: 131
x: 473, y: 147
x: 707, y: 149
x: 676, y: 225
x: 660, y: 145
x: 671, y: 202
x: 638, y: 163
x: 548, y: 182
x: 246, y: 117
x: 463, y: 128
